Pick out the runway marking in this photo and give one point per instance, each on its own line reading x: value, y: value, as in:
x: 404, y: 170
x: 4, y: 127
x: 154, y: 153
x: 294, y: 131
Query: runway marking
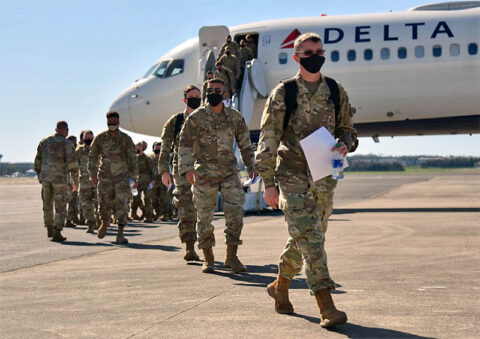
x: 424, y: 288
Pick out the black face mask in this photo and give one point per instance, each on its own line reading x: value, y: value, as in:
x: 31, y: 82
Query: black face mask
x: 157, y: 151
x: 137, y: 151
x: 313, y: 64
x: 194, y: 102
x: 241, y: 46
x: 214, y: 99
x: 228, y: 53
x: 87, y: 141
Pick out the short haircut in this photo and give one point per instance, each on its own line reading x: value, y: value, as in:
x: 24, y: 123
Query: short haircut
x: 87, y: 131
x: 144, y: 145
x: 155, y: 144
x: 139, y: 144
x: 216, y: 81
x: 229, y: 36
x: 313, y: 37
x: 188, y: 89
x: 72, y: 137
x: 62, y: 124
x: 113, y: 115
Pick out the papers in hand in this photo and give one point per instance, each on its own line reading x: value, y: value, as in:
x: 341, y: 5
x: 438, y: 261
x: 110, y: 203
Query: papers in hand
x: 250, y: 181
x: 317, y: 149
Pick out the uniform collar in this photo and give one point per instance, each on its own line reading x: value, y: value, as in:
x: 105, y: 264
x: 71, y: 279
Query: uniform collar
x: 302, y: 88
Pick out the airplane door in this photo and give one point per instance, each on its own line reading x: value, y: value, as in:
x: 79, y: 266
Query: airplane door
x: 212, y: 38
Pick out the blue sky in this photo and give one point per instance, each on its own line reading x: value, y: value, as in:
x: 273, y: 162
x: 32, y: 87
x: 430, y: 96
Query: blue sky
x: 68, y: 60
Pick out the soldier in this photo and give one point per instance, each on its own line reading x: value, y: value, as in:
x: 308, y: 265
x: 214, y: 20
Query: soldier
x: 227, y: 77
x: 88, y: 192
x: 72, y: 211
x: 147, y: 173
x: 187, y: 215
x: 250, y: 42
x: 209, y: 75
x: 156, y: 147
x: 280, y: 157
x: 228, y: 43
x: 115, y: 152
x: 207, y: 159
x: 55, y: 158
x: 230, y: 61
x: 244, y: 54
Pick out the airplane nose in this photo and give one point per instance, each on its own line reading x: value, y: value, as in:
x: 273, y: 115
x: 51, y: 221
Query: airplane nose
x: 121, y: 105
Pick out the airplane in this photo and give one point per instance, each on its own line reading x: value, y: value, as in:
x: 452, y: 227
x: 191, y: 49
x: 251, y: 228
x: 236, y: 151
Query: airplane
x: 407, y: 73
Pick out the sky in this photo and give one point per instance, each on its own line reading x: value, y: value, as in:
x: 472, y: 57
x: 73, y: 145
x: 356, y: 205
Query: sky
x: 68, y: 60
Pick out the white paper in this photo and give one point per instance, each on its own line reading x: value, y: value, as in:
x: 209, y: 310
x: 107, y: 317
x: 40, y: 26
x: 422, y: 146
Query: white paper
x: 251, y: 181
x: 317, y: 149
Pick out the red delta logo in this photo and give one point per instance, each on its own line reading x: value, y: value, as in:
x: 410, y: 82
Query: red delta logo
x: 290, y: 39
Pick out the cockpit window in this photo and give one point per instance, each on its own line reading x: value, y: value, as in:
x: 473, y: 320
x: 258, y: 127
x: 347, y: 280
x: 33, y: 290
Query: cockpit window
x: 162, y: 68
x: 175, y: 67
x: 151, y: 70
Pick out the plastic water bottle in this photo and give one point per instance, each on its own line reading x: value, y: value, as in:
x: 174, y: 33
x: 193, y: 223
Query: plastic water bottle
x: 150, y: 186
x: 133, y: 190
x: 337, y: 166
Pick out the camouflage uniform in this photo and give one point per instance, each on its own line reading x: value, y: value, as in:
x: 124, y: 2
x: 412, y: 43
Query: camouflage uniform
x: 232, y: 63
x: 182, y: 194
x: 233, y: 46
x: 88, y: 192
x: 245, y: 54
x: 72, y: 211
x: 228, y: 79
x: 118, y: 164
x: 206, y: 145
x: 55, y: 158
x: 156, y: 191
x: 306, y: 204
x: 253, y: 47
x: 147, y: 173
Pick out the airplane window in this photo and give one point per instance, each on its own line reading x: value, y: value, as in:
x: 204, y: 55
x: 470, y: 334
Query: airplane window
x: 351, y: 55
x: 335, y: 56
x: 402, y: 52
x: 283, y: 58
x: 454, y: 49
x: 437, y: 51
x: 385, y: 53
x: 151, y: 70
x: 473, y: 49
x: 161, y: 69
x: 175, y: 67
x: 419, y: 52
x: 368, y: 54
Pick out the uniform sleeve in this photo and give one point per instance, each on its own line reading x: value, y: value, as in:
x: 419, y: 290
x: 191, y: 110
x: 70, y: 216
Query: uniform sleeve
x: 344, y: 130
x: 204, y: 90
x: 131, y: 158
x: 270, y: 135
x: 185, y: 146
x: 72, y: 162
x: 242, y: 135
x: 152, y: 167
x: 231, y: 78
x: 38, y: 160
x: 93, y: 157
x: 168, y: 139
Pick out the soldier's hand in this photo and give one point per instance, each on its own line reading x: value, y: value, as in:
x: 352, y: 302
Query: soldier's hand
x: 93, y: 181
x: 191, y: 176
x: 270, y: 195
x: 135, y: 184
x: 341, y: 148
x: 74, y: 188
x: 166, y: 178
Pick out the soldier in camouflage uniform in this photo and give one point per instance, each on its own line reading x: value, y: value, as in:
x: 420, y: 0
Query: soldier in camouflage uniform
x: 206, y: 157
x: 72, y: 211
x: 88, y: 192
x: 228, y: 43
x: 187, y: 215
x: 112, y: 163
x: 147, y: 172
x: 230, y: 61
x: 250, y: 43
x: 227, y: 77
x: 280, y: 158
x: 156, y: 147
x: 54, y: 160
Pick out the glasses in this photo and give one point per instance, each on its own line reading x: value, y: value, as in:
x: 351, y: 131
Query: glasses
x: 309, y: 52
x: 216, y: 90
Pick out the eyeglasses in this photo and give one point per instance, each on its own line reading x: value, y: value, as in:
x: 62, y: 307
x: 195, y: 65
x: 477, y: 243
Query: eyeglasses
x: 216, y: 90
x: 309, y: 52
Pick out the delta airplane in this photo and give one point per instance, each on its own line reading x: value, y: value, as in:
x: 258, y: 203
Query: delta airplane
x: 408, y: 73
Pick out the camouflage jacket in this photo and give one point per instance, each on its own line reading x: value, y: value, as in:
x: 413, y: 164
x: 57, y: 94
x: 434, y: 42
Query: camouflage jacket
x: 83, y: 153
x: 233, y: 45
x: 207, y: 140
x: 169, y: 141
x: 113, y: 156
x: 158, y: 175
x: 227, y: 77
x: 245, y: 54
x: 204, y: 91
x: 55, y: 158
x: 146, y: 168
x: 279, y: 151
x: 231, y: 62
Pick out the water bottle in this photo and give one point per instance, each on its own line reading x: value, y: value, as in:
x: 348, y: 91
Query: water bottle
x: 337, y: 166
x: 133, y: 190
x: 150, y: 186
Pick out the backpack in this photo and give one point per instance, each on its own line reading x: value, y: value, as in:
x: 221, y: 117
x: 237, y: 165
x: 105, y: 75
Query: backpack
x: 178, y: 124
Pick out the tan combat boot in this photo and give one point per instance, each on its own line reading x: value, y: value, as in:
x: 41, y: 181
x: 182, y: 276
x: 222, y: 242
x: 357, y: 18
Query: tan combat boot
x: 191, y: 255
x: 120, y: 238
x: 57, y: 236
x: 102, y: 231
x: 49, y: 231
x: 232, y: 261
x: 329, y: 315
x: 208, y: 265
x: 278, y: 290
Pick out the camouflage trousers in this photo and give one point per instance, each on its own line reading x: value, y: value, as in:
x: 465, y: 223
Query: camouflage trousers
x: 162, y: 200
x: 56, y: 195
x: 146, y: 206
x: 113, y: 197
x: 306, y: 208
x: 72, y: 212
x: 187, y: 214
x: 88, y: 201
x: 205, y: 194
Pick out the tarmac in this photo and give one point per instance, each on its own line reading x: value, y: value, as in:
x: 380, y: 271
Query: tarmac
x: 403, y: 250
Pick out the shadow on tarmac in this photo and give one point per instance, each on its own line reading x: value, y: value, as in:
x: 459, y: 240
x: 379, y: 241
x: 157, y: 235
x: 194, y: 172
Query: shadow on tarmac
x: 152, y: 247
x: 403, y: 210
x: 357, y: 331
x: 83, y: 243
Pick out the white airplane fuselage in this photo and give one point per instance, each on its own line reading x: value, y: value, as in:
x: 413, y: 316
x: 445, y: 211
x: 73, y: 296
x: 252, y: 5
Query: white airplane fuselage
x: 414, y: 72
